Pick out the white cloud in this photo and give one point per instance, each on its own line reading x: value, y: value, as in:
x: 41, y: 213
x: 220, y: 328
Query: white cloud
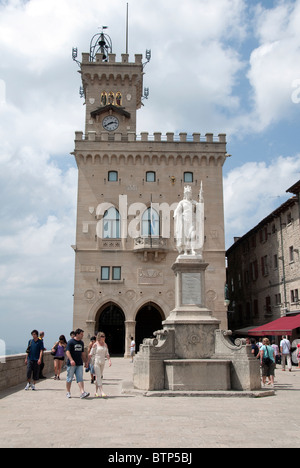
x: 274, y: 65
x: 253, y: 190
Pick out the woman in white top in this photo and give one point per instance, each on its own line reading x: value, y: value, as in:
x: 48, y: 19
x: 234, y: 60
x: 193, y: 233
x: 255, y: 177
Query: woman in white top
x: 98, y: 354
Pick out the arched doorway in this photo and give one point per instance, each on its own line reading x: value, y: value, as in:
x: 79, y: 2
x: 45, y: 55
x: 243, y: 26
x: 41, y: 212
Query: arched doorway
x: 111, y: 322
x: 148, y: 320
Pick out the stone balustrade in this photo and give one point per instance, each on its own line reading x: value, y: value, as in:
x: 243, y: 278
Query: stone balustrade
x: 13, y: 369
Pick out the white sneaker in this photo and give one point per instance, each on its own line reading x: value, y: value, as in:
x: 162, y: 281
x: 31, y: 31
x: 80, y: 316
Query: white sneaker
x: 68, y: 395
x: 32, y: 387
x: 27, y: 387
x: 84, y: 395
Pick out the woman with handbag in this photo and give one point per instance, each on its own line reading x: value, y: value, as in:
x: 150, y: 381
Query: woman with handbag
x: 267, y: 359
x: 58, y: 352
x: 98, y: 354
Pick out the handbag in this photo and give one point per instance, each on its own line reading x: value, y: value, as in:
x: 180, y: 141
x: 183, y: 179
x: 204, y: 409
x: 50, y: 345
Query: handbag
x: 53, y: 353
x: 267, y: 360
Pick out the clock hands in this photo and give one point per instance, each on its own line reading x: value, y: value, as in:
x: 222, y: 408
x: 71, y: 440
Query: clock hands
x: 110, y: 123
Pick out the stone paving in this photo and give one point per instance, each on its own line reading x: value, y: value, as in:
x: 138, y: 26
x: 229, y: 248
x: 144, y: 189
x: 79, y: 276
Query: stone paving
x: 46, y: 418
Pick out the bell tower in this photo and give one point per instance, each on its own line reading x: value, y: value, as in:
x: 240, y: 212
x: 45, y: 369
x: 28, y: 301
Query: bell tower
x: 113, y: 91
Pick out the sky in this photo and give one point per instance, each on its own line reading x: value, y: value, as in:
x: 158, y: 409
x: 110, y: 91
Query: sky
x: 217, y: 66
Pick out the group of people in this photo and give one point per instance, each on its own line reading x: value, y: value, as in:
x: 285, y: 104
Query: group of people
x: 269, y: 355
x: 98, y: 352
x: 77, y: 358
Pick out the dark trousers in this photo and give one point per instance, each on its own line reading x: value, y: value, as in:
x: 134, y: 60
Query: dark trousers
x: 33, y: 369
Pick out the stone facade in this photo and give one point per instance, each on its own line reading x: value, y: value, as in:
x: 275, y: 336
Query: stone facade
x: 264, y: 268
x: 128, y: 188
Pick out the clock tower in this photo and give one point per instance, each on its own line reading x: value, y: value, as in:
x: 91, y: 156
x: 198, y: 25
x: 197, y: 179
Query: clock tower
x: 128, y: 189
x: 112, y: 90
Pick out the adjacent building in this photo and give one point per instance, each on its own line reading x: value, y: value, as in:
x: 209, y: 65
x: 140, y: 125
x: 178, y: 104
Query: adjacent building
x: 263, y: 276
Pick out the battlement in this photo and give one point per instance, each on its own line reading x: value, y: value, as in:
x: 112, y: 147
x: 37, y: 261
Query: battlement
x: 111, y: 59
x: 146, y: 137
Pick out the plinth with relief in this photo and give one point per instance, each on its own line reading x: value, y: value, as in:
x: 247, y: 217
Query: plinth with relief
x: 191, y: 353
x: 193, y: 323
x: 194, y: 330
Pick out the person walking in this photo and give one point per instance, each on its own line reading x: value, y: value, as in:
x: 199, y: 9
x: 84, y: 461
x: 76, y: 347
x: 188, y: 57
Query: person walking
x: 277, y: 353
x: 76, y: 355
x: 91, y: 367
x: 267, y: 360
x: 132, y: 348
x: 99, y: 352
x: 41, y: 375
x: 33, y: 359
x: 59, y: 349
x: 285, y: 348
x: 254, y: 347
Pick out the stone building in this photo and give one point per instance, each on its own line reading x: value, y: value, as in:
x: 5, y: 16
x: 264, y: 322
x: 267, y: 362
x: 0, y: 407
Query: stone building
x: 264, y: 268
x: 128, y: 188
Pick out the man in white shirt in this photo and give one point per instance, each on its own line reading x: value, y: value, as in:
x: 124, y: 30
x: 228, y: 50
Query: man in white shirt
x: 132, y: 348
x: 285, y: 348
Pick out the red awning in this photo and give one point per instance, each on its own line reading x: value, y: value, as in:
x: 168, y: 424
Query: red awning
x: 281, y: 326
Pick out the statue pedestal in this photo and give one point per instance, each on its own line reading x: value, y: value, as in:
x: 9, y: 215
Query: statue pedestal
x: 192, y: 322
x: 191, y: 353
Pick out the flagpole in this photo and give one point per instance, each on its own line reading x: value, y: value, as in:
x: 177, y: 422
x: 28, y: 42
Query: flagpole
x: 127, y: 29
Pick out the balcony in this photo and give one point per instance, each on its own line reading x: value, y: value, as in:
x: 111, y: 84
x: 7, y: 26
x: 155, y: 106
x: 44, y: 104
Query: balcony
x: 154, y: 248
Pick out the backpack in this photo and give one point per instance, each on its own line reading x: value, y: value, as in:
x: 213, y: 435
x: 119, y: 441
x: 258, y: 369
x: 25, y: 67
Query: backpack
x: 267, y: 361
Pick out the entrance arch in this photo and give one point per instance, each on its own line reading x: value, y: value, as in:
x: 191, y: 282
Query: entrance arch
x: 148, y: 320
x: 112, y: 323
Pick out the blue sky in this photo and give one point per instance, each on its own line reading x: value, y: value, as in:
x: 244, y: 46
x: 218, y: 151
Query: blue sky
x: 218, y: 66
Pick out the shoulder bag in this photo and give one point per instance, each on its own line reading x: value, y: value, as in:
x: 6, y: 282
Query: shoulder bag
x: 54, y: 349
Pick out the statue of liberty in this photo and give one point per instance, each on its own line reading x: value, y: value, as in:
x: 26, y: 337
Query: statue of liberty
x: 189, y: 223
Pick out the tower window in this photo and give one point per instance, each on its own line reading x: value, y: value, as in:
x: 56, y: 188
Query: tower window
x: 112, y: 176
x: 116, y: 273
x: 188, y: 177
x: 150, y: 176
x: 105, y: 272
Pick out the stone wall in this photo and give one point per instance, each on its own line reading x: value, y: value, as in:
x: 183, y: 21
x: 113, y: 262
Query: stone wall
x: 13, y: 369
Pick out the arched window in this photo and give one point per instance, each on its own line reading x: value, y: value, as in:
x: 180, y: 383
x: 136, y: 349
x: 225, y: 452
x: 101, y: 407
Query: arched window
x: 111, y: 224
x: 150, y: 223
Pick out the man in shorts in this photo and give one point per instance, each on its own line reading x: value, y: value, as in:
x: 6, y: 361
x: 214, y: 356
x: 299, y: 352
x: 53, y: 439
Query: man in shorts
x: 76, y: 355
x: 33, y: 359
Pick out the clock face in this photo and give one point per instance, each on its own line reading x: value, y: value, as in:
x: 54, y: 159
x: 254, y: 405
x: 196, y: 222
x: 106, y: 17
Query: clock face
x: 110, y: 123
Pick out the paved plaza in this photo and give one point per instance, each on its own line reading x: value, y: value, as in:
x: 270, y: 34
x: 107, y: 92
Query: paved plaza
x: 46, y: 418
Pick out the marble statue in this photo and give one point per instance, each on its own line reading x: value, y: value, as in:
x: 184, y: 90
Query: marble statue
x: 189, y: 223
